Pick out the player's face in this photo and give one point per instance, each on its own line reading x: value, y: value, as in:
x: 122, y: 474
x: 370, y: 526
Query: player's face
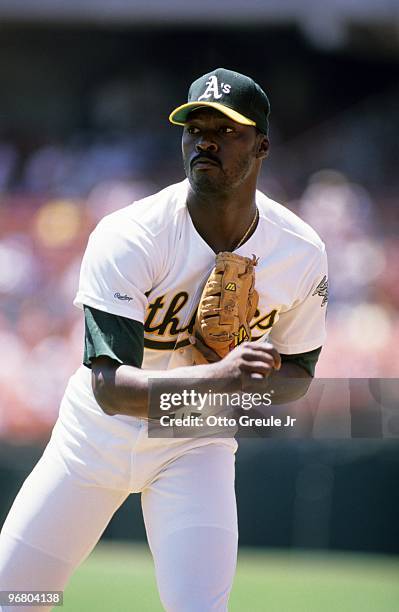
x: 218, y: 153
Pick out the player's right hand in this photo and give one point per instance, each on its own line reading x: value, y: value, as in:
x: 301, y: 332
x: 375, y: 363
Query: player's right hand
x: 248, y: 360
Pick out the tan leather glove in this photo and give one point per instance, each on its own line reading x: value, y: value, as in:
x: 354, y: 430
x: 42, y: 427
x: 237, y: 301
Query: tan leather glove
x: 227, y: 305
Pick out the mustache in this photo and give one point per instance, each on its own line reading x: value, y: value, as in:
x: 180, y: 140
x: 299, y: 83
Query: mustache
x: 205, y: 156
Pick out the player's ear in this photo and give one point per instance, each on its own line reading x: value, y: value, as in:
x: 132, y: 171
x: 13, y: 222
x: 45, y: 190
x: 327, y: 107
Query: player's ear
x: 262, y: 146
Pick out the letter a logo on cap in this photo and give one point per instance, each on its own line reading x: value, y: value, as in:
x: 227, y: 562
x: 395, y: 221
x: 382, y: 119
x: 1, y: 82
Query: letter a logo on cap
x: 212, y: 89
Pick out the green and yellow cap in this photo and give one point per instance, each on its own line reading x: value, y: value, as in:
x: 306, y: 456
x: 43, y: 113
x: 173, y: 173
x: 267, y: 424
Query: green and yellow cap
x: 233, y: 94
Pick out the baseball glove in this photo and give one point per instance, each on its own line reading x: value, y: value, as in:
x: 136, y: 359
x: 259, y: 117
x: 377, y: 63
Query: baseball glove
x: 227, y: 305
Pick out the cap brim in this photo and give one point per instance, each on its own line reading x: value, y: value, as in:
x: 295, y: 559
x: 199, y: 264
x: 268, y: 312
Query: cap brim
x: 180, y: 114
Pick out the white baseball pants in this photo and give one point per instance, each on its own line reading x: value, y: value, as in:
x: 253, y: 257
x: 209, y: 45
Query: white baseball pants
x: 91, y: 464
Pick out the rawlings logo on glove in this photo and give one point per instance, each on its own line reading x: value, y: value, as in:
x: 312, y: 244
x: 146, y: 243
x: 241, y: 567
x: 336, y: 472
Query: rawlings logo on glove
x: 227, y: 305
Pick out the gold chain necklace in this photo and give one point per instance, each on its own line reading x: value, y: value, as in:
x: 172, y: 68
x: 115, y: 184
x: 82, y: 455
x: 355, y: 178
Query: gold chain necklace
x: 254, y: 220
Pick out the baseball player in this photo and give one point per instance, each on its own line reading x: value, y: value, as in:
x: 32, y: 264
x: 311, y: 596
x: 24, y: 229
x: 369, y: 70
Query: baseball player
x: 141, y: 280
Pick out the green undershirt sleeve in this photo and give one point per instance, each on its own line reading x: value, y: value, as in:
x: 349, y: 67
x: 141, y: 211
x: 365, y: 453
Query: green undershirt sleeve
x: 112, y: 336
x: 306, y: 360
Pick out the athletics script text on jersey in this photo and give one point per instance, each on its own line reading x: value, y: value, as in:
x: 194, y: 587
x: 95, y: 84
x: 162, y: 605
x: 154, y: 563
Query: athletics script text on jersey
x: 163, y: 321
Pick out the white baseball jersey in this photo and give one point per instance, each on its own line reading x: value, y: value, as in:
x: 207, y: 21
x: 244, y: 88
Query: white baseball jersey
x: 147, y: 262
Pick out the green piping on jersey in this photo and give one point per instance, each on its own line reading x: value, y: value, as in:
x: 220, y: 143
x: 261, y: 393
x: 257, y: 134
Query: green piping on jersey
x: 159, y: 345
